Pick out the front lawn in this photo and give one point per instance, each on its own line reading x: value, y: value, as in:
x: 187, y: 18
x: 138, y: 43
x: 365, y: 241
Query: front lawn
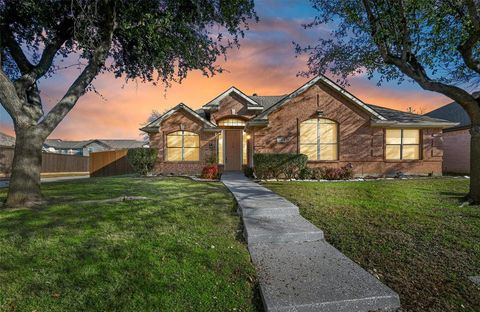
x: 412, y: 234
x: 178, y: 250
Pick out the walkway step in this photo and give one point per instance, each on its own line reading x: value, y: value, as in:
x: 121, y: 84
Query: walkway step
x: 280, y: 230
x: 314, y: 276
x: 298, y: 271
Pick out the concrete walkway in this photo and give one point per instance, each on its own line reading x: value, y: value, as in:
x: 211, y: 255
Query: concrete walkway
x: 297, y: 269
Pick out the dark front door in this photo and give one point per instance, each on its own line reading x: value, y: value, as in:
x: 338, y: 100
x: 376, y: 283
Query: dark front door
x: 233, y: 150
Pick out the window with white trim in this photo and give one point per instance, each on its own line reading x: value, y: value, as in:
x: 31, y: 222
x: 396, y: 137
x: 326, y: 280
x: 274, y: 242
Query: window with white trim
x: 183, y: 146
x: 319, y: 139
x: 402, y: 144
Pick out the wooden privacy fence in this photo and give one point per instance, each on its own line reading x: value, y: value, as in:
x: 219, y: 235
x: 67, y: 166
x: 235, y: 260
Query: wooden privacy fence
x: 51, y: 163
x: 109, y: 163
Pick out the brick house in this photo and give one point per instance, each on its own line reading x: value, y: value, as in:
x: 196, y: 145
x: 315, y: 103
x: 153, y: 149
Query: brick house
x: 320, y: 119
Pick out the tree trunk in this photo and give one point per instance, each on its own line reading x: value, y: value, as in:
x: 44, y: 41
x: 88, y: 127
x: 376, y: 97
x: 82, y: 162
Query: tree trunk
x: 24, y: 188
x: 475, y: 164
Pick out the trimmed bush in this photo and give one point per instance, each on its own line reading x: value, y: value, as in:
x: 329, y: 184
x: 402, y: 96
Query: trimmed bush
x: 305, y: 173
x: 288, y: 166
x: 142, y: 159
x: 342, y: 173
x: 210, y: 172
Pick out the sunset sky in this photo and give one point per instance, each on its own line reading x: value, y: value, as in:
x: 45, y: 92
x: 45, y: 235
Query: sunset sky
x: 265, y: 64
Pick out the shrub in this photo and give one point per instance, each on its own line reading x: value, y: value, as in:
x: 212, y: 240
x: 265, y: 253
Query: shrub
x: 319, y: 173
x: 210, y: 172
x: 142, y: 159
x: 279, y: 165
x: 248, y: 171
x: 342, y: 173
x: 305, y: 173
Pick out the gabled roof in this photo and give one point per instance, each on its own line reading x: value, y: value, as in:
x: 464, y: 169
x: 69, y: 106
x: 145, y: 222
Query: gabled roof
x: 320, y: 78
x: 267, y: 101
x: 452, y: 112
x: 154, y: 125
x: 398, y: 118
x: 251, y: 104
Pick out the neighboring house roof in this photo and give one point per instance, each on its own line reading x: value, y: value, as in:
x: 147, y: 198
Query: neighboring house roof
x: 453, y: 112
x: 108, y: 144
x: 61, y: 144
x: 267, y: 101
x: 154, y: 125
x: 123, y: 144
x: 320, y: 78
x: 6, y: 140
x: 251, y: 104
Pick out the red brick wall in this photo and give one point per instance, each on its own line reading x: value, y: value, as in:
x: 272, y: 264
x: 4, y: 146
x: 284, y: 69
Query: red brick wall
x: 456, y: 155
x: 230, y: 102
x: 359, y: 144
x: 208, y: 144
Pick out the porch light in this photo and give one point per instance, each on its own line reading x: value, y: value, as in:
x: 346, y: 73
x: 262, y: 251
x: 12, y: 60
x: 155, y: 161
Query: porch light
x: 248, y: 136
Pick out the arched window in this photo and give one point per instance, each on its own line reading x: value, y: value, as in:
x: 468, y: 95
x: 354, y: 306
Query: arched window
x: 183, y: 146
x: 235, y: 122
x: 319, y: 139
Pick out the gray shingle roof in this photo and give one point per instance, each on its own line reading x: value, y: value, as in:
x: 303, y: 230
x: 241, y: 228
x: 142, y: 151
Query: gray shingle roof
x: 404, y: 117
x: 267, y: 101
x: 452, y: 112
x: 61, y: 144
x: 109, y: 144
x: 6, y: 140
x: 123, y: 144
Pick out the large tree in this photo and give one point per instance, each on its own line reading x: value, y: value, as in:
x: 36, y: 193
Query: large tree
x: 150, y: 40
x: 435, y: 43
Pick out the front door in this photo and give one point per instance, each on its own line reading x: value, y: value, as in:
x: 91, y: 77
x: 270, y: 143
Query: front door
x: 233, y: 150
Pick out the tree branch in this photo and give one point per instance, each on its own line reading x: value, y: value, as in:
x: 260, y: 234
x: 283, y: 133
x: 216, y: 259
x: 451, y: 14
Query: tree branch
x: 16, y: 51
x: 466, y: 48
x: 79, y: 86
x: 408, y: 64
x: 9, y: 98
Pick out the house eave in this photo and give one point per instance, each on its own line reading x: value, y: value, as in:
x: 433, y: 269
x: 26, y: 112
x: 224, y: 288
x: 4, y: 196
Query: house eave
x: 257, y: 123
x: 149, y: 129
x: 397, y: 124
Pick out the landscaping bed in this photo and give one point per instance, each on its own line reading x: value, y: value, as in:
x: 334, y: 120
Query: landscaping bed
x: 176, y: 247
x: 414, y: 235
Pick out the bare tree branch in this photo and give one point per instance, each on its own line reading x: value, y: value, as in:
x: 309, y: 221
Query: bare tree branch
x: 9, y: 98
x: 78, y: 87
x: 15, y: 50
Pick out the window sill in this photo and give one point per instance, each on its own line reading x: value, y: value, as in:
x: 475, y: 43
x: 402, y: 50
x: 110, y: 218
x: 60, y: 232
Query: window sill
x: 323, y: 161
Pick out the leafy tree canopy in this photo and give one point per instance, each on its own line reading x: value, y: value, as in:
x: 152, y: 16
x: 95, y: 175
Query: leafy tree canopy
x: 440, y: 38
x: 152, y: 39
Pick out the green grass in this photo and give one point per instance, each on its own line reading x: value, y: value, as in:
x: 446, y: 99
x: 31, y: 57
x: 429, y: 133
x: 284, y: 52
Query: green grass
x: 412, y: 234
x: 177, y: 251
